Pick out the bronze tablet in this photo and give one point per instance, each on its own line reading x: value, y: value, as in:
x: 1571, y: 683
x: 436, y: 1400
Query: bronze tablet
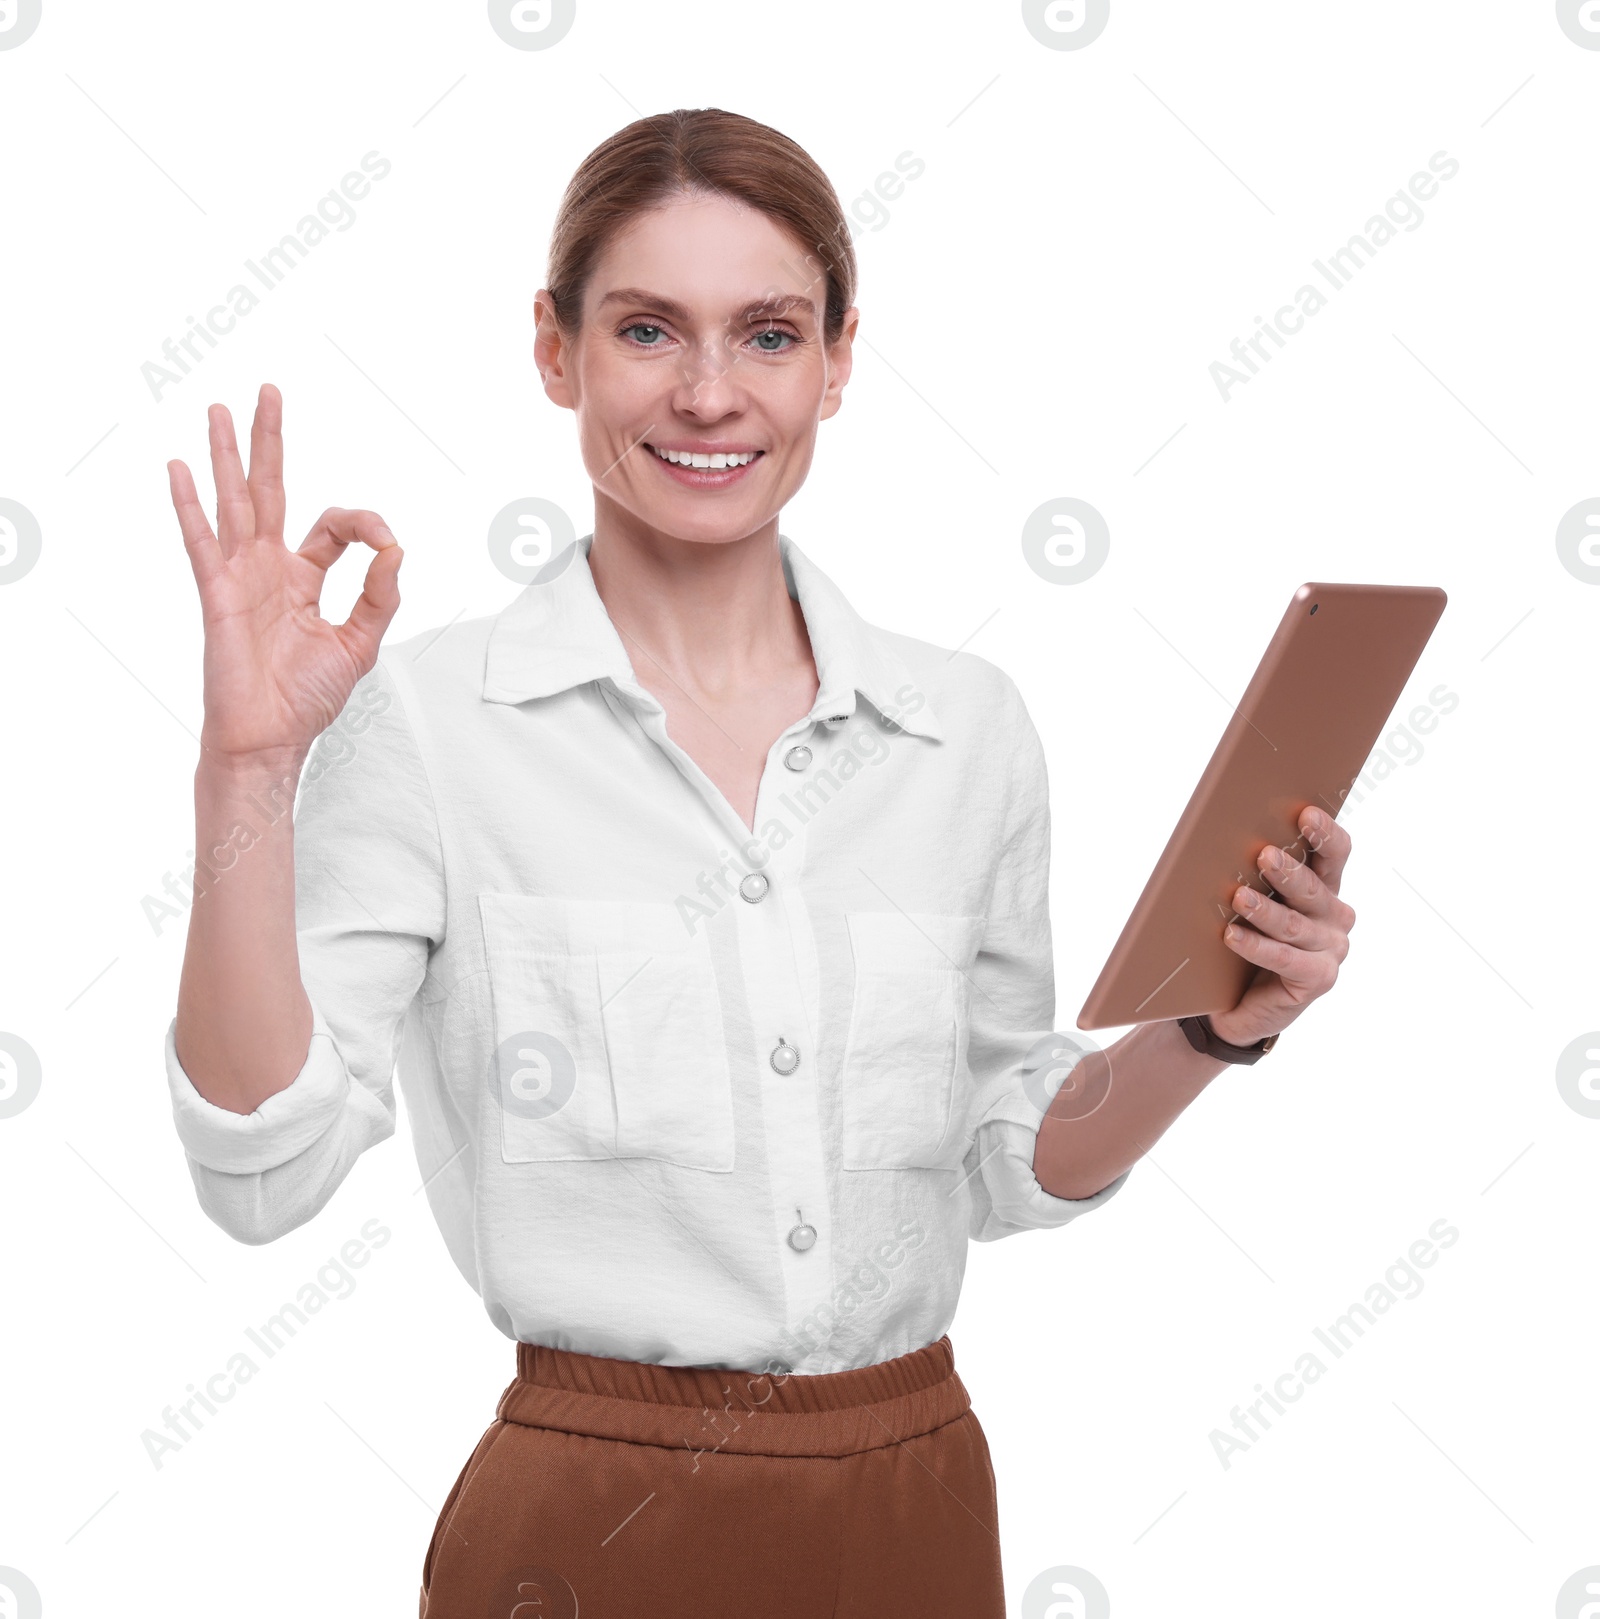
x: 1305, y: 726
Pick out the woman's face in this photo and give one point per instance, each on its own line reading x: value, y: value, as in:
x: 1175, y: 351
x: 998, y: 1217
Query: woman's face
x: 701, y: 335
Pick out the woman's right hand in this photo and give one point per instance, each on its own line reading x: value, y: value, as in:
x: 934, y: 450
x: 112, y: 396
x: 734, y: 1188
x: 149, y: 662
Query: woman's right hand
x: 277, y: 673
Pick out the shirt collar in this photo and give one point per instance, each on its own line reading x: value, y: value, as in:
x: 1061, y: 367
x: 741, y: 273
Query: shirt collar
x: 556, y: 634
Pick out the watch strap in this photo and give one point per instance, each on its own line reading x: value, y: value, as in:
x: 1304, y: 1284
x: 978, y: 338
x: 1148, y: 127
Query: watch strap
x: 1198, y: 1032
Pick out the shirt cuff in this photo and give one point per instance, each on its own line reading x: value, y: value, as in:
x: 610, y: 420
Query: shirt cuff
x: 281, y: 1128
x: 1018, y: 1201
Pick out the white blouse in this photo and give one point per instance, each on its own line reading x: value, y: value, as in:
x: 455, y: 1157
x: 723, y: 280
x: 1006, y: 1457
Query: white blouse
x: 680, y: 1092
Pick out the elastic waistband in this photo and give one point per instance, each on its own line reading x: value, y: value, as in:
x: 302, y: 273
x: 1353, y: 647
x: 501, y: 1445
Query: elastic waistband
x: 751, y: 1413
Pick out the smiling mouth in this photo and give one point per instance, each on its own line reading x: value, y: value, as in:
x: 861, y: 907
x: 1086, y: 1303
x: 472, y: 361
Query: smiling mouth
x: 706, y: 461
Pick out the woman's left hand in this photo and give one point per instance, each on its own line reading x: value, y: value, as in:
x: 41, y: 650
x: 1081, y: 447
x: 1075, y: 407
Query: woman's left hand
x: 1297, y: 939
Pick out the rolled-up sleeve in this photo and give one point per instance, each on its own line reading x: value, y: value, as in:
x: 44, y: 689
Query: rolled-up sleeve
x: 1016, y: 1057
x: 369, y: 908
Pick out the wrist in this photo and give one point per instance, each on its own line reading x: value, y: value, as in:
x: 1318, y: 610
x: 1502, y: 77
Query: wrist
x: 1203, y: 1035
x: 1236, y: 1034
x: 231, y: 774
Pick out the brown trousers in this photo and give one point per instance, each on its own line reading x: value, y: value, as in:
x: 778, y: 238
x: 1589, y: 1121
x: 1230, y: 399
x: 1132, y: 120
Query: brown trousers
x: 614, y: 1489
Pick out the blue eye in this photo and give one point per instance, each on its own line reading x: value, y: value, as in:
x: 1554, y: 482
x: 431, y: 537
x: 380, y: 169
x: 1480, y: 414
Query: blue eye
x: 644, y: 326
x: 772, y: 331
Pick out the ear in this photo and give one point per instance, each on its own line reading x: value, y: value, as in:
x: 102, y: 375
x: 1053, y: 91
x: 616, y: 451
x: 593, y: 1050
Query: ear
x: 840, y: 355
x: 551, y: 352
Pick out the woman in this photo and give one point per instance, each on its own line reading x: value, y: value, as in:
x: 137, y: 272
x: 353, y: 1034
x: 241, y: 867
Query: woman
x: 713, y: 923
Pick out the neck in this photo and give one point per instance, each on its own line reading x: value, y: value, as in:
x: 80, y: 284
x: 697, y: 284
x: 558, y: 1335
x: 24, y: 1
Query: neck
x: 715, y: 616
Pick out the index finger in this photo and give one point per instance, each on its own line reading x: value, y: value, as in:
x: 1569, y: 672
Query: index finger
x: 339, y: 527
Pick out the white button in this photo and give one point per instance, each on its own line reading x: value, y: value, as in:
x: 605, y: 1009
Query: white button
x: 802, y: 1237
x: 785, y: 1059
x: 753, y: 887
x: 797, y: 758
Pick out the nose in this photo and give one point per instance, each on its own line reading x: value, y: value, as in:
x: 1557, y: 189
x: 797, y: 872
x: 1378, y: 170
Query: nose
x: 709, y: 386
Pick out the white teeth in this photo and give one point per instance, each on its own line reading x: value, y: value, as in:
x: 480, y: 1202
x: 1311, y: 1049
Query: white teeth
x: 688, y: 458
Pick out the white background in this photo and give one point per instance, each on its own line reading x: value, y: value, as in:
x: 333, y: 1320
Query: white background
x: 1040, y: 309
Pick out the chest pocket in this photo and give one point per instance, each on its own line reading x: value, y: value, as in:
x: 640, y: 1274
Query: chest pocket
x: 906, y: 1051
x: 608, y: 1034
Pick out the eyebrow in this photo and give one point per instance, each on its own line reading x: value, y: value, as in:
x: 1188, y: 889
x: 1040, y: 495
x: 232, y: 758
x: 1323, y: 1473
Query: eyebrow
x: 768, y: 307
